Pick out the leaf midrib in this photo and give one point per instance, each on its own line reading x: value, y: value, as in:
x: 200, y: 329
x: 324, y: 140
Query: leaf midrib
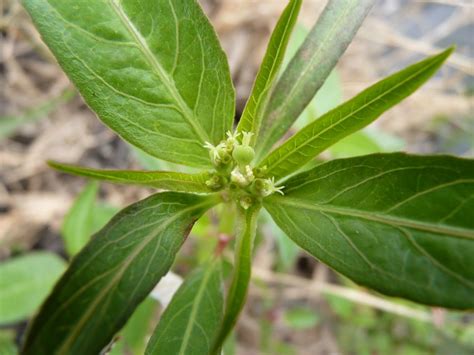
x: 138, y: 177
x: 259, y: 109
x: 159, y: 70
x: 121, y: 270
x: 378, y: 217
x: 340, y: 121
x: 287, y: 101
x: 194, y: 310
x: 304, y: 72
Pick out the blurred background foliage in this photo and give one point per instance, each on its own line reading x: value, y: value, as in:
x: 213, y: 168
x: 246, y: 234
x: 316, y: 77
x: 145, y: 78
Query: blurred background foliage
x: 296, y: 305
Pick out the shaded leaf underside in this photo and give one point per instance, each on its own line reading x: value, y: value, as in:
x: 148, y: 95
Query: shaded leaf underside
x: 113, y: 274
x: 310, y: 67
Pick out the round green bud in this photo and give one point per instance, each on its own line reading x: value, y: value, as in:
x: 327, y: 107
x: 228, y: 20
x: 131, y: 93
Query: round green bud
x: 243, y: 154
x: 260, y: 172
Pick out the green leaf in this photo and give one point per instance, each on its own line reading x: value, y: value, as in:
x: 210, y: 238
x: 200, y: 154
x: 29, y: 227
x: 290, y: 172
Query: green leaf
x: 191, y: 321
x: 7, y: 343
x: 157, y: 179
x: 25, y: 282
x: 328, y: 96
x: 310, y: 67
x: 79, y: 221
x: 300, y: 318
x: 370, y: 140
x: 355, y: 144
x: 241, y: 274
x: 287, y: 249
x: 139, y: 326
x: 350, y: 117
x: 149, y: 162
x: 103, y: 213
x: 113, y: 274
x: 153, y: 71
x: 84, y: 218
x: 367, y: 141
x: 252, y: 115
x: 399, y: 224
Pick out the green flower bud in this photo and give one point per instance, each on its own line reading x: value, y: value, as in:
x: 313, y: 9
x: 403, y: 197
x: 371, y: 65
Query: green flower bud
x: 246, y: 202
x: 266, y: 187
x: 238, y: 178
x: 260, y: 172
x: 216, y: 182
x: 243, y: 154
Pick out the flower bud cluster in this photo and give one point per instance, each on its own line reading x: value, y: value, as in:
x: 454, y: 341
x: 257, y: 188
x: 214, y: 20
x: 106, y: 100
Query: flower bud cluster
x: 233, y: 163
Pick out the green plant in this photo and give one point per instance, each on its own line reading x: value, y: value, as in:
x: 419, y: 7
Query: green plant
x: 154, y: 72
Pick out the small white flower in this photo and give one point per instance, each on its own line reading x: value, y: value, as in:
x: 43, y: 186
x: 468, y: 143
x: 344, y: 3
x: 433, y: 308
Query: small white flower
x: 269, y: 187
x: 214, y: 150
x: 275, y: 188
x: 247, y: 136
x: 249, y: 173
x: 239, y: 178
x: 232, y: 137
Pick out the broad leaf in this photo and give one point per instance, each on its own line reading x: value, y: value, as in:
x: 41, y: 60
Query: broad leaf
x: 252, y: 115
x: 113, y: 274
x: 350, y: 117
x: 241, y: 274
x: 79, y: 221
x: 191, y: 321
x: 399, y: 224
x: 25, y: 281
x: 157, y: 179
x: 153, y: 71
x: 310, y: 67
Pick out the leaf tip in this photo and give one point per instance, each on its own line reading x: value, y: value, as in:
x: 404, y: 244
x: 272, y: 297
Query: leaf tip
x: 53, y: 164
x: 447, y: 52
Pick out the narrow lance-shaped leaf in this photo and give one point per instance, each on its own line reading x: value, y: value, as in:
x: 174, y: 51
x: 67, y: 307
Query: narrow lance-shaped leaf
x: 166, y: 180
x: 241, y: 275
x: 79, y: 221
x: 310, y: 67
x: 350, y: 117
x: 399, y: 224
x: 153, y: 71
x: 113, y: 274
x: 272, y: 61
x: 191, y: 321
